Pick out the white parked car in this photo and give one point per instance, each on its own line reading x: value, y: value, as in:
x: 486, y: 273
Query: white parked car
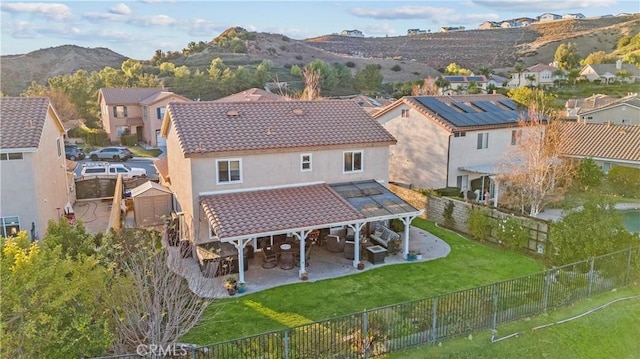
x: 106, y: 169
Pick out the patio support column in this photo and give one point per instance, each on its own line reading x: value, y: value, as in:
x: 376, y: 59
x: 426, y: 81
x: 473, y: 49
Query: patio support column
x: 496, y: 187
x: 405, y: 242
x: 356, y: 243
x: 240, y: 244
x: 302, y: 236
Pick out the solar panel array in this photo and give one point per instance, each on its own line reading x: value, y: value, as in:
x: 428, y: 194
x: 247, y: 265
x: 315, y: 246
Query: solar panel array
x: 475, y: 78
x: 455, y: 78
x: 482, y: 112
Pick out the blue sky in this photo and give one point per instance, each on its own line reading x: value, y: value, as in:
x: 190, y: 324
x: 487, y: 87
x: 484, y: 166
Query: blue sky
x: 137, y: 28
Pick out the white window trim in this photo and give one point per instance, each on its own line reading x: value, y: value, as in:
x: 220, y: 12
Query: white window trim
x: 361, y: 161
x: 4, y: 223
x: 218, y: 170
x: 485, y: 141
x: 302, y: 162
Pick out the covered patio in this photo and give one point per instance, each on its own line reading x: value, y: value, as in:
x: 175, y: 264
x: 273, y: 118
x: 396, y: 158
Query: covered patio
x: 302, y: 217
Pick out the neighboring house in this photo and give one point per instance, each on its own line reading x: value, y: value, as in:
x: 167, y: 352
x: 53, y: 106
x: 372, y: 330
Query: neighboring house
x: 253, y: 95
x: 243, y: 173
x: 608, y: 145
x: 369, y: 104
x: 538, y: 75
x: 497, y: 81
x: 451, y: 28
x: 549, y: 17
x: 573, y: 107
x: 624, y: 111
x: 450, y: 141
x: 489, y: 25
x: 573, y: 16
x: 415, y: 32
x: 459, y: 84
x: 353, y: 33
x: 136, y: 111
x: 608, y: 73
x: 36, y: 187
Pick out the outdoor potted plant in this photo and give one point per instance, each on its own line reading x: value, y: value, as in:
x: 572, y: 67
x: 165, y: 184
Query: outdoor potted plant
x: 418, y: 256
x: 230, y: 284
x: 411, y: 256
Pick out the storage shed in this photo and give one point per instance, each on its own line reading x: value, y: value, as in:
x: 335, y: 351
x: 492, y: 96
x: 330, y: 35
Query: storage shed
x: 151, y: 204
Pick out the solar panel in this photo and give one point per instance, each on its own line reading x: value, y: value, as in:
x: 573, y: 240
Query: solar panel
x: 509, y: 103
x: 486, y: 106
x: 475, y: 78
x: 455, y: 78
x: 463, y: 107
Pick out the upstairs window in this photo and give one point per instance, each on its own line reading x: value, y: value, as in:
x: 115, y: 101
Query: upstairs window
x: 352, y: 161
x: 404, y: 113
x: 483, y: 140
x: 460, y: 134
x: 305, y: 162
x: 160, y: 113
x: 11, y: 156
x: 229, y: 171
x: 119, y: 111
x: 10, y: 226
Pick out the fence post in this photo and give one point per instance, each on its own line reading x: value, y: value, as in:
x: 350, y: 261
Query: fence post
x: 495, y: 305
x: 365, y: 324
x: 434, y: 321
x: 286, y: 344
x: 547, y: 285
x: 590, y: 276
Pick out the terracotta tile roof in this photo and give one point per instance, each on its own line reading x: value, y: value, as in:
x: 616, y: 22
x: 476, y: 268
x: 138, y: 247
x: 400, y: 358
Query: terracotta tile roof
x: 22, y: 121
x: 620, y: 142
x: 541, y: 67
x: 127, y: 96
x: 162, y: 166
x: 631, y: 100
x: 283, y: 209
x: 254, y: 95
x: 205, y: 127
x: 161, y: 96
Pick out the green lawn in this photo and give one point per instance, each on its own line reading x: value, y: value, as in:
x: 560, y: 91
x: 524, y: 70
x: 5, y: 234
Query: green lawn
x: 142, y: 152
x: 611, y: 332
x: 468, y: 265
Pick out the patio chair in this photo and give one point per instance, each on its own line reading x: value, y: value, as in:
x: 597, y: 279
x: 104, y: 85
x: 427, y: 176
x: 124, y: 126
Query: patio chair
x: 270, y: 259
x: 307, y: 255
x: 334, y: 243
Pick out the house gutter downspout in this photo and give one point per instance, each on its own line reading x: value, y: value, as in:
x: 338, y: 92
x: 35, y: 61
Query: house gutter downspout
x: 448, y: 161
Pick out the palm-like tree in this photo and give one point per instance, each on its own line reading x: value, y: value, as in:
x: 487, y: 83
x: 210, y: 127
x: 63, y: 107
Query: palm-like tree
x: 532, y: 79
x: 518, y: 69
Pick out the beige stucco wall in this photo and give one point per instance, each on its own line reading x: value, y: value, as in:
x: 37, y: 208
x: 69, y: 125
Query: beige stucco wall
x: 151, y: 121
x: 180, y: 179
x: 35, y: 187
x: 419, y: 158
x: 615, y: 115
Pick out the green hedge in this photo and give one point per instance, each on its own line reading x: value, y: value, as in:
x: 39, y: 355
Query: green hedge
x: 625, y: 180
x: 129, y: 140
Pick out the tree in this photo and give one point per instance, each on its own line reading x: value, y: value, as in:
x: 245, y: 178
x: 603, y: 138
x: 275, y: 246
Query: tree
x: 311, y: 83
x: 167, y: 68
x: 518, y: 70
x: 216, y: 69
x: 598, y: 57
x: 543, y: 101
x: 52, y: 305
x: 473, y: 88
x: 455, y: 69
x: 428, y: 88
x: 593, y: 230
x: 567, y: 56
x: 369, y: 79
x: 152, y: 303
x: 532, y: 80
x: 588, y: 174
x: 65, y: 109
x: 112, y: 77
x: 131, y: 69
x: 442, y: 83
x: 533, y: 174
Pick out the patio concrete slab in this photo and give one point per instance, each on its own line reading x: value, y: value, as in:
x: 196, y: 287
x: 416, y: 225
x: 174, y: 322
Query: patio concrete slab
x: 322, y: 265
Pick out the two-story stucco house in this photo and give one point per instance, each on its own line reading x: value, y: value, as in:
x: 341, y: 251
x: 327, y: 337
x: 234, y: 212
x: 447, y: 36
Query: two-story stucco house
x: 624, y: 111
x: 608, y: 73
x: 538, y: 75
x: 460, y: 84
x: 35, y: 186
x: 244, y: 172
x: 137, y: 111
x: 450, y: 141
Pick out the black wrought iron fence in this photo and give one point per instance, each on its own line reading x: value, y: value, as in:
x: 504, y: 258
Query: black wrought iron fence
x: 405, y: 325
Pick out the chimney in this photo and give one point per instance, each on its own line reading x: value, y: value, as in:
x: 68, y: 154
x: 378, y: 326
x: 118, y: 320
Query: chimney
x: 619, y: 64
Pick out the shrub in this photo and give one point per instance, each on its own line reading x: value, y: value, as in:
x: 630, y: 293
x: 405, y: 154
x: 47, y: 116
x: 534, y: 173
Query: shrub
x: 396, y: 225
x: 449, y: 191
x: 129, y: 140
x: 589, y: 174
x: 625, y: 180
x: 396, y: 68
x: 299, y: 57
x: 447, y: 213
x: 350, y: 64
x: 479, y: 224
x: 511, y: 232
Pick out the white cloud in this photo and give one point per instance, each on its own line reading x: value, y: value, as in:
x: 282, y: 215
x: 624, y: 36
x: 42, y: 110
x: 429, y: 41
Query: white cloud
x: 155, y: 20
x: 51, y: 11
x: 404, y: 12
x: 103, y: 16
x: 120, y: 9
x: 378, y: 29
x: 158, y: 1
x: 202, y: 27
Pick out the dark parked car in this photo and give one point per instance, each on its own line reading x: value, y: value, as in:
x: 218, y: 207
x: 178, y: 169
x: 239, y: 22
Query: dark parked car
x: 73, y: 152
x: 111, y: 153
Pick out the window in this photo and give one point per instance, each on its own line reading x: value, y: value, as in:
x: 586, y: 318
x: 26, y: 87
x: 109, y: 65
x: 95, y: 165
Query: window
x: 404, y: 113
x: 10, y: 226
x: 460, y: 134
x: 11, y: 156
x: 305, y: 162
x: 119, y: 111
x: 121, y: 130
x: 353, y: 161
x: 160, y: 113
x: 483, y: 140
x: 145, y: 112
x: 515, y: 137
x: 546, y: 75
x: 229, y: 171
x: 462, y: 181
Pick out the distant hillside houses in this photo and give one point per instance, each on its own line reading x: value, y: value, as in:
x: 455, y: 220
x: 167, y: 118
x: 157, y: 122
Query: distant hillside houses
x: 573, y: 16
x: 414, y: 32
x: 352, y: 33
x: 547, y: 16
x: 451, y: 28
